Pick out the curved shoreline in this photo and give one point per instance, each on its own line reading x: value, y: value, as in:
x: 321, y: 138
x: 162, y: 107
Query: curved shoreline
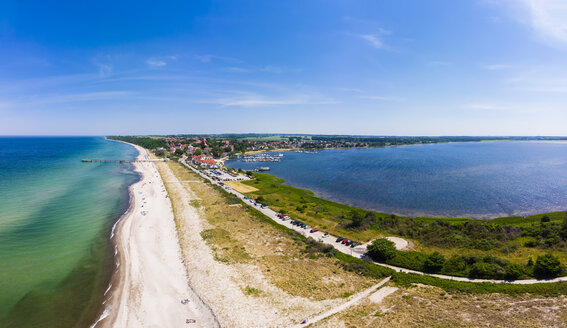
x: 317, y: 192
x: 149, y: 280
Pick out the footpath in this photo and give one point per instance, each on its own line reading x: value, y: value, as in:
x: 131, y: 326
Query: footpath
x: 360, y: 251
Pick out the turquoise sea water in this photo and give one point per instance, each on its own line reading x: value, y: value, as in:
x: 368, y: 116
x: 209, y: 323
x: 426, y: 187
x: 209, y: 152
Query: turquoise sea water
x: 475, y: 179
x: 55, y: 219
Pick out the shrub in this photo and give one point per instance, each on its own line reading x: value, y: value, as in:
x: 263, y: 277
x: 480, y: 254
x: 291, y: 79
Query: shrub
x: 515, y: 271
x: 382, y: 250
x: 545, y: 218
x: 481, y: 270
x: 547, y: 266
x: 434, y: 263
x: 531, y: 243
x: 410, y: 260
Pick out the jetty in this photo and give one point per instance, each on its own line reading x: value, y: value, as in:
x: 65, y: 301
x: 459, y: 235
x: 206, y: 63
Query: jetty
x: 261, y: 158
x: 89, y: 160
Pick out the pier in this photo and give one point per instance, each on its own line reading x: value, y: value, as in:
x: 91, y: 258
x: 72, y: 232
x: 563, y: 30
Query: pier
x: 88, y: 160
x: 261, y: 158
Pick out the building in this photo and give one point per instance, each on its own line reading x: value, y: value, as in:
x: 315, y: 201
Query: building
x: 205, y: 161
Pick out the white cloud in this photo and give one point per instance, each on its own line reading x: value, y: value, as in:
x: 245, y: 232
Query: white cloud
x: 204, y: 58
x: 548, y: 18
x: 497, y: 67
x: 382, y: 98
x: 272, y: 69
x: 155, y: 63
x: 373, y: 40
x: 485, y: 106
x: 104, y: 69
x: 440, y: 63
x: 238, y: 70
x: 253, y: 100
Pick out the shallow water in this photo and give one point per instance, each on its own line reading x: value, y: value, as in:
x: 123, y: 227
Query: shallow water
x: 476, y: 179
x: 55, y: 217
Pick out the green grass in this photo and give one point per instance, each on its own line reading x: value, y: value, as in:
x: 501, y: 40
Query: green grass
x: 450, y: 220
x: 334, y: 218
x: 301, y: 204
x: 541, y: 289
x: 521, y: 221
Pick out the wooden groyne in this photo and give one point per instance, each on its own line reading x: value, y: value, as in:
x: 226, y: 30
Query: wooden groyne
x: 89, y: 160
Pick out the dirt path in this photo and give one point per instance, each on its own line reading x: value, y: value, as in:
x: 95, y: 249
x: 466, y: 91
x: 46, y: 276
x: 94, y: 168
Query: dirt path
x: 352, y: 300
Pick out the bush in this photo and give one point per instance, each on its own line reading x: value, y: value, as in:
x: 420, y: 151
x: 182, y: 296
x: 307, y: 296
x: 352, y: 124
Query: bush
x: 410, y: 260
x: 452, y: 286
x: 547, y: 266
x: 531, y: 243
x: 455, y: 266
x: 545, y: 218
x: 515, y: 271
x: 382, y: 250
x: 481, y: 270
x: 434, y: 263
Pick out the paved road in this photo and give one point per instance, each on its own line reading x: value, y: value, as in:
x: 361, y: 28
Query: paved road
x: 359, y: 251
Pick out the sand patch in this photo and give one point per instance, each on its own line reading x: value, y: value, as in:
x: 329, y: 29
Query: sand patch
x: 240, y: 187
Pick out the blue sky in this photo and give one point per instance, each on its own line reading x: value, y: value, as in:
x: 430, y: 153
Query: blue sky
x: 483, y: 67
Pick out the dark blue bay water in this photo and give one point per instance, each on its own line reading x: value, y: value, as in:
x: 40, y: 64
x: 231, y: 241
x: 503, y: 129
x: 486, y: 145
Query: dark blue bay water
x: 477, y: 180
x: 55, y: 217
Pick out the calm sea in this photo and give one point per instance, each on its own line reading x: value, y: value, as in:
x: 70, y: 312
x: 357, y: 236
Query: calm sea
x: 55, y: 219
x: 477, y: 180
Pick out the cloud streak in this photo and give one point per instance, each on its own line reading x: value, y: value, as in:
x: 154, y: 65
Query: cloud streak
x: 375, y: 39
x: 254, y: 100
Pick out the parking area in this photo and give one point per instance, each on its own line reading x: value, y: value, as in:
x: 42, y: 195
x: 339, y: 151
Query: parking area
x: 222, y: 175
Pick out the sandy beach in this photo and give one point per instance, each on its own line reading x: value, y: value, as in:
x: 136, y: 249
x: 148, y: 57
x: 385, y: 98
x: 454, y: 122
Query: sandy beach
x: 151, y: 282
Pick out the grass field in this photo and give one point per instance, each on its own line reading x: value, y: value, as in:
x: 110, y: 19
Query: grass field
x: 331, y: 217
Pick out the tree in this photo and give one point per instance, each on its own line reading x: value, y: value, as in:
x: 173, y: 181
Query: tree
x: 547, y: 266
x: 434, y: 263
x: 481, y: 270
x: 545, y: 218
x: 563, y: 231
x: 198, y: 152
x: 514, y: 271
x: 382, y: 250
x: 356, y: 219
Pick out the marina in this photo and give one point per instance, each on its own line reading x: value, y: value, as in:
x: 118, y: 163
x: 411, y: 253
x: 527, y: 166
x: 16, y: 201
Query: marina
x: 261, y: 158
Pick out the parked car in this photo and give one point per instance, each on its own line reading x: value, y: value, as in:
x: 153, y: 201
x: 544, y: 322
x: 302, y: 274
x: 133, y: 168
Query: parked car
x: 278, y: 214
x: 348, y: 243
x: 314, y: 230
x: 344, y: 241
x: 325, y: 235
x: 353, y: 245
x: 339, y: 239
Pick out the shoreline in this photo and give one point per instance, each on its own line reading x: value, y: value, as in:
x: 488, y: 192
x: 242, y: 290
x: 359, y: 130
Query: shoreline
x: 415, y: 216
x: 149, y: 279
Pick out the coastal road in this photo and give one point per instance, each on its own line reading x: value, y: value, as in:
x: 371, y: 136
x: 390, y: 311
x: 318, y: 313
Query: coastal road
x: 360, y: 250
